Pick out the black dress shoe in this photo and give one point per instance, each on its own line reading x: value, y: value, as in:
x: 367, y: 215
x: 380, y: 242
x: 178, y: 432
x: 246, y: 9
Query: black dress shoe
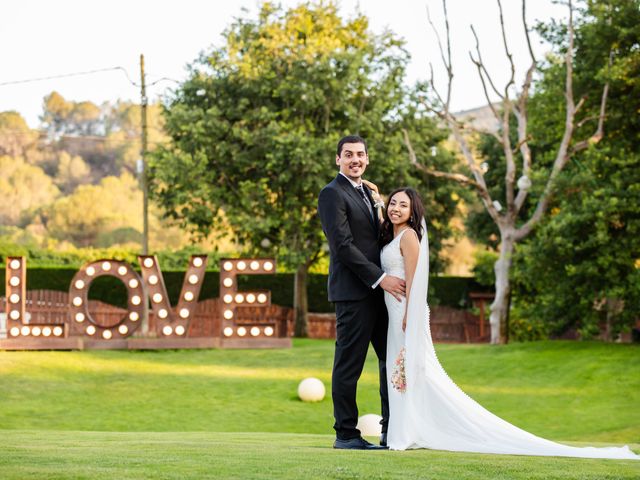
x: 383, y: 439
x: 358, y: 443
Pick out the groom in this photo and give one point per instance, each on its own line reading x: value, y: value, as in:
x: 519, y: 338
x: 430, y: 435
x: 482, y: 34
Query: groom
x: 349, y: 222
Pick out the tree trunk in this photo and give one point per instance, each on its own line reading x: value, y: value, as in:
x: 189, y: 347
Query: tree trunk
x: 500, y: 305
x: 300, y: 301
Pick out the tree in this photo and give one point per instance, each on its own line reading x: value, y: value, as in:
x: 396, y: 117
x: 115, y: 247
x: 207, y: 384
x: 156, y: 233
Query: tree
x: 24, y: 189
x: 94, y: 210
x: 16, y: 138
x: 581, y: 270
x: 72, y: 171
x: 67, y: 117
x: 123, y: 133
x: 507, y: 218
x: 254, y: 130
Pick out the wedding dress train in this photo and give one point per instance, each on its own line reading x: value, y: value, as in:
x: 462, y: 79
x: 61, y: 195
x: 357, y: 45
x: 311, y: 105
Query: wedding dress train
x: 427, y: 409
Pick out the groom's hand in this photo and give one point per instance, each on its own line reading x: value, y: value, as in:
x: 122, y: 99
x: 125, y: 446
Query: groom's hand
x: 394, y: 285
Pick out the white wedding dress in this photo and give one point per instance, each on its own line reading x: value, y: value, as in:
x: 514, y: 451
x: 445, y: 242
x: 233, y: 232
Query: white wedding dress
x: 432, y: 412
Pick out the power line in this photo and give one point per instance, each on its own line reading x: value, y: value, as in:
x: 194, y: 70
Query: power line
x: 75, y: 74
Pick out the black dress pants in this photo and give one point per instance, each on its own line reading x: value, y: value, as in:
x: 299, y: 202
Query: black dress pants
x: 358, y: 323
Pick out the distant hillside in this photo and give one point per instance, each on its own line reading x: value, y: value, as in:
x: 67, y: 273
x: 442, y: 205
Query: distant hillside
x: 480, y: 117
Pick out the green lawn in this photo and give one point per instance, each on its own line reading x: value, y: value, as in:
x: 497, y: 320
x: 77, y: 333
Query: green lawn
x: 235, y: 414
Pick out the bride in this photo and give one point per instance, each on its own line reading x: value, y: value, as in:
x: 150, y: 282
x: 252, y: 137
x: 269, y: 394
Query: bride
x: 428, y: 410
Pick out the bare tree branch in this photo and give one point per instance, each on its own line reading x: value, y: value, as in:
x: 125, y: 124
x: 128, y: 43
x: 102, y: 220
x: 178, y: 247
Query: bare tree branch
x: 484, y: 86
x: 526, y: 32
x: 562, y: 156
x: 446, y: 61
x: 457, y: 177
x: 507, y: 52
x: 435, y: 90
x: 522, y: 115
x: 481, y: 64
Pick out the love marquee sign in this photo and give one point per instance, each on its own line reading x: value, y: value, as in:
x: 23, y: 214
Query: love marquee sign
x: 78, y: 328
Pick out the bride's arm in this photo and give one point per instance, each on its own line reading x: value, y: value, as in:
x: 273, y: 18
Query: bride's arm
x: 410, y: 248
x: 379, y: 203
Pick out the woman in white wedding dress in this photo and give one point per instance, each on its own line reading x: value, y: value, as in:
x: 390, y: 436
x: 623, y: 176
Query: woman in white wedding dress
x: 428, y: 410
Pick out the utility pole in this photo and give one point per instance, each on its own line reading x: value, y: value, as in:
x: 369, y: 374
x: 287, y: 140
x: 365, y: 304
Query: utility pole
x: 145, y: 185
x: 143, y: 153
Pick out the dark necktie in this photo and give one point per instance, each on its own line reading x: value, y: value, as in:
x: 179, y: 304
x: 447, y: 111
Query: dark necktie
x: 365, y: 199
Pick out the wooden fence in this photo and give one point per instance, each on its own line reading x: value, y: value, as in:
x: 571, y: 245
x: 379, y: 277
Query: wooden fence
x: 49, y: 307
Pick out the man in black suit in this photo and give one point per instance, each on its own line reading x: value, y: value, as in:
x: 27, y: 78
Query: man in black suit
x: 350, y: 224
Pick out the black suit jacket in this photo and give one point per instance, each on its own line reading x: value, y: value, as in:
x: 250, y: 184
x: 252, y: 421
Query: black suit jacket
x: 353, y: 241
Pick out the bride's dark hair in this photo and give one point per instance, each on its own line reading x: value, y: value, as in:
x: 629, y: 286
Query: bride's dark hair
x: 415, y: 220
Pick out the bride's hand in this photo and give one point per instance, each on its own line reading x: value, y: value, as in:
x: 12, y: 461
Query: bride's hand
x: 372, y: 186
x: 375, y: 194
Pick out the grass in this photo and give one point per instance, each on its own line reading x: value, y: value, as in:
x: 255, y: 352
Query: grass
x: 111, y: 455
x: 235, y: 414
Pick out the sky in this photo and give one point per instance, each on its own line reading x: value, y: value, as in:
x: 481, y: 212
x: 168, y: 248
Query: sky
x: 44, y: 38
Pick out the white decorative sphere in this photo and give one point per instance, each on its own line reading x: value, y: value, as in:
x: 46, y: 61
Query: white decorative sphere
x: 369, y: 425
x: 311, y: 390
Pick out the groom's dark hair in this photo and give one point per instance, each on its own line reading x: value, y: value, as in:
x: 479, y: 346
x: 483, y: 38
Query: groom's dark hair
x: 351, y: 139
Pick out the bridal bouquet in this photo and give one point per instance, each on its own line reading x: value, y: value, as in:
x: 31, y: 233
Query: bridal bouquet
x: 398, y: 378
